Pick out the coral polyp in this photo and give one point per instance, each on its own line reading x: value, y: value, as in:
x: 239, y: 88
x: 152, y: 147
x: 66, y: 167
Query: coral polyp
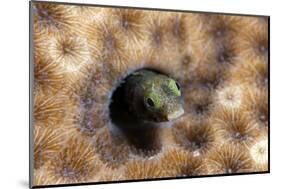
x: 226, y: 54
x: 76, y: 162
x: 229, y: 159
x: 52, y: 18
x: 180, y: 163
x: 142, y: 169
x: 132, y: 24
x: 223, y: 28
x: 230, y: 97
x: 259, y: 153
x: 47, y: 142
x: 48, y: 76
x: 208, y: 75
x: 235, y: 126
x: 107, y: 44
x: 197, y: 137
x: 88, y: 127
x: 251, y: 73
x: 254, y: 45
x: 49, y: 110
x: 198, y: 100
x: 70, y: 52
x: 257, y: 106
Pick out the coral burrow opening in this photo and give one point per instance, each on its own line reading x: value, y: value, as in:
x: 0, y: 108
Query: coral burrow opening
x: 141, y: 134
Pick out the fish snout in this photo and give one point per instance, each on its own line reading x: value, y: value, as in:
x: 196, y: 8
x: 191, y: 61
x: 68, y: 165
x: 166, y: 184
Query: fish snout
x: 175, y: 114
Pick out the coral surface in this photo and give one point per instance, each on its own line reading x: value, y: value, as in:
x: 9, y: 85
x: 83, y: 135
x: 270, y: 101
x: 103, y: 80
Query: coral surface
x: 82, y: 53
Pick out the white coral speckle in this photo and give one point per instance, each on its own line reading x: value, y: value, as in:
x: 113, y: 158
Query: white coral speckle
x: 230, y: 97
x: 259, y: 152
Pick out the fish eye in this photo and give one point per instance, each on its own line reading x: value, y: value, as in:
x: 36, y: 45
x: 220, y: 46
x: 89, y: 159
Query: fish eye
x: 178, y: 85
x: 150, y: 102
x: 173, y: 87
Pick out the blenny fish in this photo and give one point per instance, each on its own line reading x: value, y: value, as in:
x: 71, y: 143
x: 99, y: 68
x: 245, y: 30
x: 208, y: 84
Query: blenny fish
x: 152, y: 96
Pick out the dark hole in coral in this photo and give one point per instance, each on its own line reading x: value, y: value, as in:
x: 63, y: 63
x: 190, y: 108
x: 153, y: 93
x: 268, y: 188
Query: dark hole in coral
x: 198, y: 100
x: 220, y: 31
x: 225, y: 55
x: 141, y: 135
x: 197, y: 142
x: 186, y: 60
x: 210, y: 77
x: 126, y: 22
x: 67, y: 49
x: 110, y: 42
x: 239, y: 135
x: 200, y: 108
x: 157, y: 39
x: 185, y: 170
x: 262, y: 47
x: 263, y: 118
x: 157, y: 36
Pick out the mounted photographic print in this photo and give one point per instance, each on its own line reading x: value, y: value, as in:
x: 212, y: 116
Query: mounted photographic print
x: 121, y: 94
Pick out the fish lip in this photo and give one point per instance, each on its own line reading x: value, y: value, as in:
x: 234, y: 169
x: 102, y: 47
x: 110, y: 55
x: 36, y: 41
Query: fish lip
x: 175, y: 114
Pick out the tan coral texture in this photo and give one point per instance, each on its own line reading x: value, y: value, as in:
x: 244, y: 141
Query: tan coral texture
x: 82, y: 53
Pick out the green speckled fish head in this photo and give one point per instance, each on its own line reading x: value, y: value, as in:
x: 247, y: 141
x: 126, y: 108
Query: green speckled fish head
x: 156, y: 97
x: 162, y: 99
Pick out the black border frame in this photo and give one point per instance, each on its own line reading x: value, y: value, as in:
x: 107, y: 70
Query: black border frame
x: 31, y: 161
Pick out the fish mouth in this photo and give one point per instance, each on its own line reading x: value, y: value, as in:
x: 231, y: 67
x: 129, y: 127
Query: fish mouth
x: 175, y: 114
